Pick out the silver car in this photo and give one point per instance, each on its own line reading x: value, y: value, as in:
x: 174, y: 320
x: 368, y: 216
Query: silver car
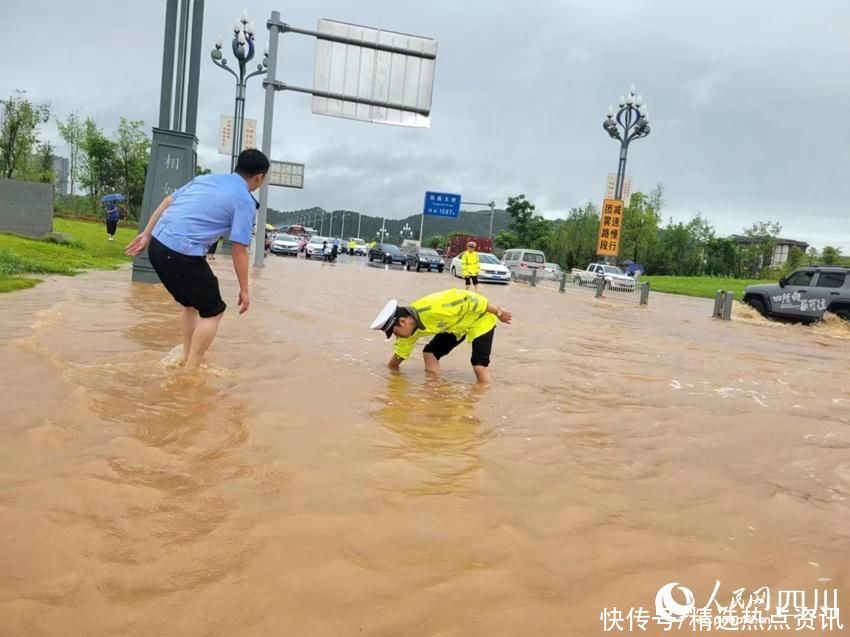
x: 805, y: 295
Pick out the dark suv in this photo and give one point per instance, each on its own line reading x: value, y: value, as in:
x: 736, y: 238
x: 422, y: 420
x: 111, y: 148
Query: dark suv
x: 805, y: 295
x: 420, y: 258
x: 387, y: 253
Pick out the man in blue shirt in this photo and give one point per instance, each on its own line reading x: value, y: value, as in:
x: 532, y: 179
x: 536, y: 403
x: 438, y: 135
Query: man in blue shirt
x: 181, y: 230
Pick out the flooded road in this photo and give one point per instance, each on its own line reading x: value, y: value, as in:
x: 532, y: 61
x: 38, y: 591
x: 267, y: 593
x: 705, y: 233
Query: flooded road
x: 297, y: 487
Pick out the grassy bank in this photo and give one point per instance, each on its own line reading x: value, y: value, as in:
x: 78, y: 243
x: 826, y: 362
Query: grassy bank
x: 22, y: 259
x: 703, y: 286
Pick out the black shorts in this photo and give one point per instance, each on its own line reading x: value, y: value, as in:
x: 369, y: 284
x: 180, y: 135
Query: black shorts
x: 111, y: 226
x: 189, y: 279
x: 444, y: 343
x: 471, y: 279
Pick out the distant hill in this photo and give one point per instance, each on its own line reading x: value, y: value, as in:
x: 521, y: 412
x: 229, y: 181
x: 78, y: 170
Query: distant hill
x: 472, y: 222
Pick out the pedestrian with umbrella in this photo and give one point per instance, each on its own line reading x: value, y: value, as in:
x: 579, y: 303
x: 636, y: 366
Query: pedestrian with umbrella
x: 112, y: 213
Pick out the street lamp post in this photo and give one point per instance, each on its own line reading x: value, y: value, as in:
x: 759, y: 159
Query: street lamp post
x: 633, y: 118
x: 382, y: 231
x: 242, y: 46
x: 406, y: 232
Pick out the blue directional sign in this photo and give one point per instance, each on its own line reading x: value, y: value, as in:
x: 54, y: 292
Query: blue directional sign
x: 441, y: 204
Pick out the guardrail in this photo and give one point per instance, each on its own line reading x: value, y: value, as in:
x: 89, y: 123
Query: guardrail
x: 637, y: 292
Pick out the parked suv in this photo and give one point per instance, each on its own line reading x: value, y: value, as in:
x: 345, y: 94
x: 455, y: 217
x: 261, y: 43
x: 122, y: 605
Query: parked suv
x: 805, y: 295
x: 420, y: 258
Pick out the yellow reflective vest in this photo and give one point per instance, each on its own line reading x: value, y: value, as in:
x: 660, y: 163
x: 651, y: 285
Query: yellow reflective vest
x: 470, y: 263
x: 458, y: 312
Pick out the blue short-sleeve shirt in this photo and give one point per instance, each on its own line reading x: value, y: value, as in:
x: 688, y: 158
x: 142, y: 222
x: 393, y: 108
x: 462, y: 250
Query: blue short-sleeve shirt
x: 208, y: 207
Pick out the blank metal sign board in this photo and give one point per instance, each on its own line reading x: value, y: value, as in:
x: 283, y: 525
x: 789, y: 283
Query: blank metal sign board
x: 379, y: 76
x: 287, y: 174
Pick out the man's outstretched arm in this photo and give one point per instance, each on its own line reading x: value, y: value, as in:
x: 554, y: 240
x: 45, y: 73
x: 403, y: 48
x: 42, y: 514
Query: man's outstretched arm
x: 240, y: 264
x: 138, y: 244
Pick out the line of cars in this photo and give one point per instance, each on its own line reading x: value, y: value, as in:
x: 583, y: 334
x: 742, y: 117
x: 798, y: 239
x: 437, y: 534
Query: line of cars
x: 289, y: 244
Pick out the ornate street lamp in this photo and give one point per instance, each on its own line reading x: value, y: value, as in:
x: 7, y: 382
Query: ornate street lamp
x: 243, y: 49
x: 631, y: 122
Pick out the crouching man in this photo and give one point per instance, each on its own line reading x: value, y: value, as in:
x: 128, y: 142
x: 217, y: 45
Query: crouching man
x: 450, y: 317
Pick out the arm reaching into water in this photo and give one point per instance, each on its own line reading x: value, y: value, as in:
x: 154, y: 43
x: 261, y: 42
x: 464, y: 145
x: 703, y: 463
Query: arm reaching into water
x: 137, y: 245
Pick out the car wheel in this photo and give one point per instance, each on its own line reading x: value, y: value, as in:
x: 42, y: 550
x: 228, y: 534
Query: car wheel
x: 407, y: 267
x: 418, y: 267
x: 757, y: 304
x: 440, y: 269
x: 453, y: 272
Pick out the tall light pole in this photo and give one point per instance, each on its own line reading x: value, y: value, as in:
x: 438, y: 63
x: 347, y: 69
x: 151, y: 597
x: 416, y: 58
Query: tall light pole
x: 631, y: 122
x: 383, y: 232
x: 242, y: 46
x: 406, y: 231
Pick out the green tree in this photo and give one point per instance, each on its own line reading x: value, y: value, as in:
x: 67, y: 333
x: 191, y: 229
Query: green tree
x: 578, y: 235
x: 72, y: 131
x: 132, y: 149
x: 754, y: 257
x: 19, y: 133
x: 796, y: 257
x: 100, y: 165
x: 201, y: 171
x: 434, y: 241
x: 639, y: 238
x: 42, y: 164
x: 506, y: 240
x: 721, y: 257
x: 831, y: 255
x: 522, y: 215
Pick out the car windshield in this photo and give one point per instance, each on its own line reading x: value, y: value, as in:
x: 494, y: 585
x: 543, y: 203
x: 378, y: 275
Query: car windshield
x: 533, y: 258
x: 552, y: 266
x: 285, y: 237
x: 428, y: 252
x: 319, y: 240
x: 610, y: 269
x: 488, y: 258
x: 360, y: 242
x: 389, y: 247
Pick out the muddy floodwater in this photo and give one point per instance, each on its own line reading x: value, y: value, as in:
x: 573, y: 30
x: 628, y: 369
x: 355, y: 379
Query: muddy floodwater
x: 297, y: 487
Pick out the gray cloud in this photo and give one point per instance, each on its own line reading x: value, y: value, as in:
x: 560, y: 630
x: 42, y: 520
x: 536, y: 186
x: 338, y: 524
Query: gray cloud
x: 745, y: 100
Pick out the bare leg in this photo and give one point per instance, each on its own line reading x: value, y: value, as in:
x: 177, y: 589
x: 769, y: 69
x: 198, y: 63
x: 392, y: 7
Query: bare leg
x: 482, y: 374
x: 432, y: 364
x: 188, y: 321
x: 202, y: 338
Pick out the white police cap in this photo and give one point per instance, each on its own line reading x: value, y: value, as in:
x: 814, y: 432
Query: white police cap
x: 386, y: 318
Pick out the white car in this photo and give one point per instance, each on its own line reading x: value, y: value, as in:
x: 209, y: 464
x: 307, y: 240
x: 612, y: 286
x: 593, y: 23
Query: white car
x: 285, y: 244
x: 492, y: 270
x: 552, y: 271
x: 314, y: 247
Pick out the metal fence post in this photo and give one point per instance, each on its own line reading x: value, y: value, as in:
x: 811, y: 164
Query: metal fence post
x: 534, y: 278
x: 563, y: 282
x: 644, y: 293
x: 600, y: 287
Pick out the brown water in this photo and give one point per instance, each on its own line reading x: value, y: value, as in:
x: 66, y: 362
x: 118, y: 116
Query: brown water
x: 297, y: 487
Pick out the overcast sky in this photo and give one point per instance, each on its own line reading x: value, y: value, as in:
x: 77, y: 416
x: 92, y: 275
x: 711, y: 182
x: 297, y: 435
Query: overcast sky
x: 747, y: 101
